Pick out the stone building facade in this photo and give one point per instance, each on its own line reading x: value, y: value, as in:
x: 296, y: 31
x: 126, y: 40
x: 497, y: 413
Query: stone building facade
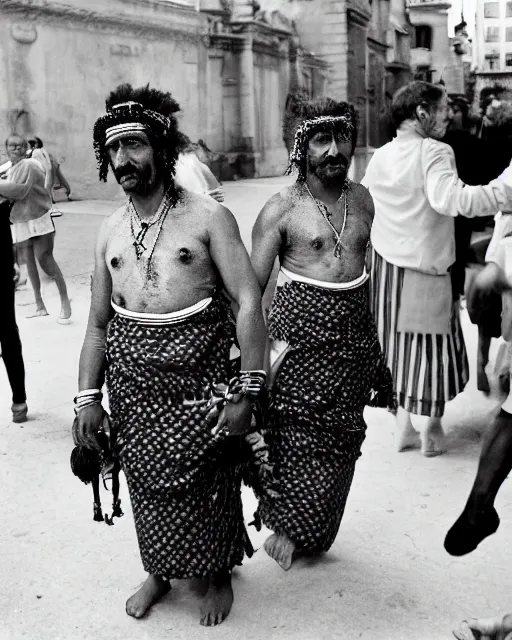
x: 366, y: 44
x: 230, y: 73
x: 493, y: 50
x: 434, y: 57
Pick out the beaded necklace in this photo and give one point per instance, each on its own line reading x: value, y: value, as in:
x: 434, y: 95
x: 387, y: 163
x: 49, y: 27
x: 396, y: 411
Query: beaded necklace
x: 326, y: 214
x: 139, y: 236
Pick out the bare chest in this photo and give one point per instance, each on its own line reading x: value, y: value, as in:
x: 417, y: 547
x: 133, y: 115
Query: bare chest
x: 315, y: 230
x: 158, y: 266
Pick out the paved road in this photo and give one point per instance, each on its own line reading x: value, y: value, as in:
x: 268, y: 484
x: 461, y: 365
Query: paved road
x: 65, y: 577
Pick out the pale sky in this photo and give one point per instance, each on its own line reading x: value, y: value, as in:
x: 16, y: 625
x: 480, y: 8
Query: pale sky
x: 469, y: 15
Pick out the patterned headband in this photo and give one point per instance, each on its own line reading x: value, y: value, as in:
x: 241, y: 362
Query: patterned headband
x: 342, y: 124
x: 128, y: 117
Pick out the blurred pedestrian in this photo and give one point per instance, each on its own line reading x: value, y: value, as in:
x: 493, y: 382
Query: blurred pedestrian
x: 479, y: 518
x: 54, y: 178
x: 33, y: 228
x: 194, y: 175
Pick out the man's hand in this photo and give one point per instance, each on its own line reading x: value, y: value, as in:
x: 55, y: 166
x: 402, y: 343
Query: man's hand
x: 16, y: 276
x: 485, y: 629
x: 236, y: 418
x: 217, y: 194
x: 86, y: 426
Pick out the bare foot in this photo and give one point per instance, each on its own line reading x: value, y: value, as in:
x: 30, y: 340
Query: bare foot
x: 280, y: 548
x: 405, y: 435
x: 432, y: 440
x: 149, y: 594
x: 218, y: 600
x: 482, y: 382
x: 38, y: 313
x: 65, y: 312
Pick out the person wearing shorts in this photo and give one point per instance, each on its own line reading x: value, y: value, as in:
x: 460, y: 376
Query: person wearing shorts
x: 32, y: 226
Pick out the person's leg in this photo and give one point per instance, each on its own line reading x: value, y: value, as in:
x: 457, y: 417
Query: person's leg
x: 484, y: 344
x: 20, y: 267
x: 27, y: 251
x: 432, y: 438
x: 43, y: 249
x: 479, y: 518
x: 406, y: 437
x: 11, y: 350
x: 218, y: 600
x: 63, y: 182
x: 153, y: 589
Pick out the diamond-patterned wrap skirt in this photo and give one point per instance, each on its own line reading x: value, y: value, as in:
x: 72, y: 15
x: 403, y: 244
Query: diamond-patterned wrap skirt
x: 333, y: 367
x: 184, y: 484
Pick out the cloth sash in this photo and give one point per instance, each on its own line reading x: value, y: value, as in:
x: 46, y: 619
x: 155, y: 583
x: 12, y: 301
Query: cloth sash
x: 426, y: 303
x: 161, y: 319
x: 286, y: 275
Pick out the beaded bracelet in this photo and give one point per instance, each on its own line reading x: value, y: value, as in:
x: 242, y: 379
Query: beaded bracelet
x: 252, y: 382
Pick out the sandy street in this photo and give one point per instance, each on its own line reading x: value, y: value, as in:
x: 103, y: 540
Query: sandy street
x: 66, y: 577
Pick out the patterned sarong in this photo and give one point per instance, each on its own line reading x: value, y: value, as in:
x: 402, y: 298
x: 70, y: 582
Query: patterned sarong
x: 184, y: 483
x: 331, y: 368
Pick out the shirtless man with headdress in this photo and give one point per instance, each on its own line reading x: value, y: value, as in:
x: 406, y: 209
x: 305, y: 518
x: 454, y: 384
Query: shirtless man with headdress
x: 161, y: 328
x: 326, y: 362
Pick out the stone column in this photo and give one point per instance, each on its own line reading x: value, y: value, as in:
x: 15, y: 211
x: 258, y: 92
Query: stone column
x: 247, y: 103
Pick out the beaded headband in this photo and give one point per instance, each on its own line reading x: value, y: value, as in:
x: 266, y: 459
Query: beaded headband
x: 342, y: 124
x: 128, y: 117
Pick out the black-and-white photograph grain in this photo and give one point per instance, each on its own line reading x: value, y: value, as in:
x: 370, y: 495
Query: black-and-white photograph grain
x: 255, y: 319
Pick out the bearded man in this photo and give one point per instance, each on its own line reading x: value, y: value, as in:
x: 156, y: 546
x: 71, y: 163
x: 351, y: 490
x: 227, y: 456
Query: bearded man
x: 326, y: 362
x: 162, y: 328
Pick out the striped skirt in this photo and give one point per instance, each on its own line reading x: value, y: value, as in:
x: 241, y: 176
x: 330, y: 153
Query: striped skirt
x: 428, y: 369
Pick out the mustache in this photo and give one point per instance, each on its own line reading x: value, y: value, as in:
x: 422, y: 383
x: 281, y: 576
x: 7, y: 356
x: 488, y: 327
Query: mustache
x: 125, y: 170
x: 336, y: 161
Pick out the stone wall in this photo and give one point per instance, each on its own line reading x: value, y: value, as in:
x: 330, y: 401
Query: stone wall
x: 59, y: 59
x: 66, y: 60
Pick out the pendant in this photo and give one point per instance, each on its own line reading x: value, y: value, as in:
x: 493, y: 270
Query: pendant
x: 139, y: 249
x: 338, y: 247
x: 139, y: 245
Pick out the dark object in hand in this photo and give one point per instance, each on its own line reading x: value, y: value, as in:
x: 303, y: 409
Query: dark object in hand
x: 89, y: 465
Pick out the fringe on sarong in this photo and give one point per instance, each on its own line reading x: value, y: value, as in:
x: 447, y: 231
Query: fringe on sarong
x: 428, y: 369
x: 332, y: 368
x: 184, y: 483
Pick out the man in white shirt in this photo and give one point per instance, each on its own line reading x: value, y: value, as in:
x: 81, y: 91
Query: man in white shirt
x: 417, y: 194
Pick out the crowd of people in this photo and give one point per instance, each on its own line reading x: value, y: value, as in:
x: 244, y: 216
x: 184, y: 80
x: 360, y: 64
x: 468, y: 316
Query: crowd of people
x: 365, y: 311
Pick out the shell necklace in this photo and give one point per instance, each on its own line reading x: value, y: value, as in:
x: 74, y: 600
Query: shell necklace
x: 326, y: 214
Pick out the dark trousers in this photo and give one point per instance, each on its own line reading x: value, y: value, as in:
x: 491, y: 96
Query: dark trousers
x: 10, y: 341
x: 9, y: 334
